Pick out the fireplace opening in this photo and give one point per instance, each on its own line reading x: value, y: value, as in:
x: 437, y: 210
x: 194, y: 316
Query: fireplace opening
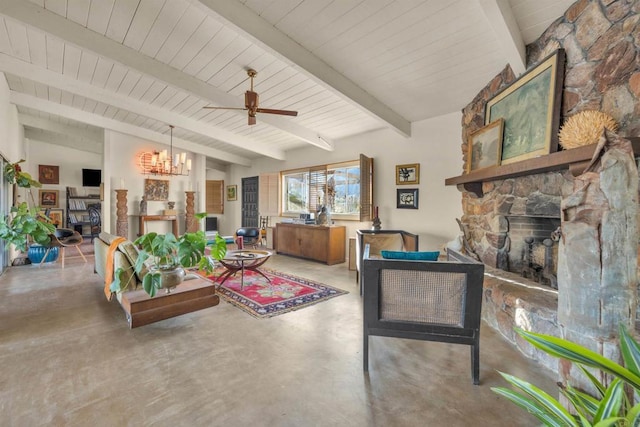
x: 533, y: 248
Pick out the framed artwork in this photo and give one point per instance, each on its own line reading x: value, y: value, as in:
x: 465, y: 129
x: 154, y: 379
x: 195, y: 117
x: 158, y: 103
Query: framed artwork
x: 530, y: 107
x: 48, y: 198
x: 48, y: 174
x: 156, y: 189
x: 56, y: 216
x: 232, y: 192
x: 407, y: 198
x: 408, y: 174
x: 485, y: 146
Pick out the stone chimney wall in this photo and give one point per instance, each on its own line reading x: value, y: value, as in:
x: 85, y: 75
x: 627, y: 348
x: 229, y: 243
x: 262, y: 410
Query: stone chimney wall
x: 602, y: 43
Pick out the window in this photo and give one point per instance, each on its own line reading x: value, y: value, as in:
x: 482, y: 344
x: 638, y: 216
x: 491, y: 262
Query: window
x: 340, y: 186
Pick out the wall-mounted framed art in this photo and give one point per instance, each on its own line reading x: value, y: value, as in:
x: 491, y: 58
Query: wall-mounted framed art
x: 232, y: 193
x: 48, y: 174
x: 530, y: 107
x: 408, y: 174
x: 485, y: 146
x: 56, y: 216
x: 156, y: 189
x: 48, y: 198
x: 407, y: 198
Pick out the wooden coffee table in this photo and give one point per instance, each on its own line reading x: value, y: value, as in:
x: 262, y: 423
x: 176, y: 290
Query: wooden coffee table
x: 190, y: 295
x: 241, y: 260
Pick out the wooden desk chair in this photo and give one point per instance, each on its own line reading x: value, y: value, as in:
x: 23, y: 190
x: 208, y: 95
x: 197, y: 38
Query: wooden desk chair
x: 63, y: 238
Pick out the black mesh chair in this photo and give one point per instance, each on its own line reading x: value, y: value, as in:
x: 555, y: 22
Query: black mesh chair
x: 95, y: 221
x: 250, y: 235
x: 423, y: 300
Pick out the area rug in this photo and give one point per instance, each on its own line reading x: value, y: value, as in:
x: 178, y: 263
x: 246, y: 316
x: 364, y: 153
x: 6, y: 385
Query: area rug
x: 285, y: 293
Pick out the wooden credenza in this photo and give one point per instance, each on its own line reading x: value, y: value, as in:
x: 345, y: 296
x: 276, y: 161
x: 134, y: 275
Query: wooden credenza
x: 316, y: 242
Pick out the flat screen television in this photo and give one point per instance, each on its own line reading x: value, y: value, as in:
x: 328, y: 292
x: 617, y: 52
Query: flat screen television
x: 91, y: 177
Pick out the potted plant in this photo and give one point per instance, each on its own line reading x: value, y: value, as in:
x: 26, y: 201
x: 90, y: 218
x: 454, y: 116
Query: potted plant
x: 24, y: 224
x: 166, y: 256
x: 611, y: 406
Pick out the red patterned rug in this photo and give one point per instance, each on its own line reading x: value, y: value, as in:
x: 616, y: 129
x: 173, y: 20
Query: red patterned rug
x: 285, y: 293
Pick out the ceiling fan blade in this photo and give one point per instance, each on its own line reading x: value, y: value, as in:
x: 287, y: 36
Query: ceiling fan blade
x: 224, y: 108
x: 281, y: 112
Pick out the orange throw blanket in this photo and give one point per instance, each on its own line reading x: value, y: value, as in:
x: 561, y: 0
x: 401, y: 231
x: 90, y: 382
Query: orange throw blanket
x: 108, y: 273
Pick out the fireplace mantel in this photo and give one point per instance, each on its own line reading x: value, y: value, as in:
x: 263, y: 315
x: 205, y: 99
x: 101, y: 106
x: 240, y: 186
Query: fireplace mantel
x: 575, y: 160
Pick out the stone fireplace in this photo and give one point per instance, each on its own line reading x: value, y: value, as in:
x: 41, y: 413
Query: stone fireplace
x: 602, y: 72
x: 510, y: 211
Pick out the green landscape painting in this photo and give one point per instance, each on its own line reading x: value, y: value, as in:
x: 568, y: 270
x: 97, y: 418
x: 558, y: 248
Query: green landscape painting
x: 526, y: 117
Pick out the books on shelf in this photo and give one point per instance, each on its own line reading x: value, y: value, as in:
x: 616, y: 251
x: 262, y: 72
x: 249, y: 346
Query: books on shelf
x: 73, y: 192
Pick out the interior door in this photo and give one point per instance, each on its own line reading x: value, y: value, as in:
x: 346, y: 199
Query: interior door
x: 250, y: 201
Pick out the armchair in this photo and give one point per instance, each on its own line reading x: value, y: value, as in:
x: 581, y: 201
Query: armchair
x: 423, y: 300
x: 379, y: 240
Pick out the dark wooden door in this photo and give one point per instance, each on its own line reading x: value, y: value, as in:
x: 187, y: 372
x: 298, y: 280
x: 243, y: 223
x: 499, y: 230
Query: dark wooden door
x: 250, y: 202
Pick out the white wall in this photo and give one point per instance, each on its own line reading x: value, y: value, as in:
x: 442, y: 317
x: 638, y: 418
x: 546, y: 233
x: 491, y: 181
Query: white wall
x: 70, y: 162
x: 435, y: 144
x: 121, y: 163
x: 11, y: 132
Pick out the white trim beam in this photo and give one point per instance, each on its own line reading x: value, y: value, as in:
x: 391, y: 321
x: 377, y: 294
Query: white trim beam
x: 501, y: 19
x: 269, y: 37
x: 90, y: 134
x: 71, y: 32
x: 71, y: 113
x: 11, y: 65
x: 36, y: 134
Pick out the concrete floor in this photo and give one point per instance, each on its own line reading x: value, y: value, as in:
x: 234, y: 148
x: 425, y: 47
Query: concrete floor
x: 68, y: 358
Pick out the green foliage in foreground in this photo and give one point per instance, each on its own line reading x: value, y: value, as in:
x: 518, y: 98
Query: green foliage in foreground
x: 611, y: 407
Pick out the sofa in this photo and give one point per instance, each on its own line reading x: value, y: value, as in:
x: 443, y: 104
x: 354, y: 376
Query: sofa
x: 195, y: 293
x: 423, y: 300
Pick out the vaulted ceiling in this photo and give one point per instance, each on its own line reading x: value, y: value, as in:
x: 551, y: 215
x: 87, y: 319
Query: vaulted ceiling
x: 347, y: 66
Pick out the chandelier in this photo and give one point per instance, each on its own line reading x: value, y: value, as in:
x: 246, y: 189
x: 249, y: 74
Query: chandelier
x: 165, y: 162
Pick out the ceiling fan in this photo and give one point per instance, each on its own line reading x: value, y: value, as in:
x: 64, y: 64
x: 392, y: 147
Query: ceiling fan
x: 251, y: 103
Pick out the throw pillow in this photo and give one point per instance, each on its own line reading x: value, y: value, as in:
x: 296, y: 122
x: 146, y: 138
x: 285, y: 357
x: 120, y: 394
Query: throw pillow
x: 131, y: 252
x: 420, y: 256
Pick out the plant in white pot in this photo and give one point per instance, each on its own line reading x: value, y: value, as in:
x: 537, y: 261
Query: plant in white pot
x: 165, y: 256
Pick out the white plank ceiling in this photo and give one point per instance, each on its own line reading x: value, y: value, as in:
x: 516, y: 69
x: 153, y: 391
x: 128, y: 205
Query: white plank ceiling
x: 347, y: 66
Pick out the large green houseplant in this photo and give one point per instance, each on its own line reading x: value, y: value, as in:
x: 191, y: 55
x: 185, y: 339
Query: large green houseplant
x: 24, y: 224
x: 166, y: 254
x: 610, y: 407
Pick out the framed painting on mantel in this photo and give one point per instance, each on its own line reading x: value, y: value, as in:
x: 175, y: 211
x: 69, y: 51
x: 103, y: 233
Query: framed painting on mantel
x: 530, y: 107
x: 484, y: 146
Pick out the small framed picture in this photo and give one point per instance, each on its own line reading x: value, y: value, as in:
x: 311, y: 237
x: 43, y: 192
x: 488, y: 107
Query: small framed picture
x: 48, y: 198
x: 408, y: 174
x: 232, y: 192
x: 48, y: 174
x: 407, y: 198
x: 485, y: 146
x: 56, y: 216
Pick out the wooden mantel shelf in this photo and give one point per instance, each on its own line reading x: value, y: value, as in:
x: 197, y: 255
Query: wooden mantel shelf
x: 575, y: 160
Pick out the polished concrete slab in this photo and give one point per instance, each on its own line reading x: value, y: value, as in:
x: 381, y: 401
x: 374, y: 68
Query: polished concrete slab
x: 68, y: 358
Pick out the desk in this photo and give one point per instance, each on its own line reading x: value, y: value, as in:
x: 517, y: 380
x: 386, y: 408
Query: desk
x: 242, y: 260
x: 144, y: 218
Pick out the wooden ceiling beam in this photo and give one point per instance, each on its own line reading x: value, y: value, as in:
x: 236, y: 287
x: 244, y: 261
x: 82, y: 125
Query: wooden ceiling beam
x: 501, y: 19
x: 269, y: 37
x: 71, y: 32
x: 71, y: 113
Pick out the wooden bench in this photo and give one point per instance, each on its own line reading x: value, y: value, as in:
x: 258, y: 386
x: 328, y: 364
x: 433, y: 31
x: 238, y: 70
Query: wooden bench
x: 190, y: 295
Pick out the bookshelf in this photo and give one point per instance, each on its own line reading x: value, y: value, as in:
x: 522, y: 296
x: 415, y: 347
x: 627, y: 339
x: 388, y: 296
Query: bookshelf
x: 77, y: 214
